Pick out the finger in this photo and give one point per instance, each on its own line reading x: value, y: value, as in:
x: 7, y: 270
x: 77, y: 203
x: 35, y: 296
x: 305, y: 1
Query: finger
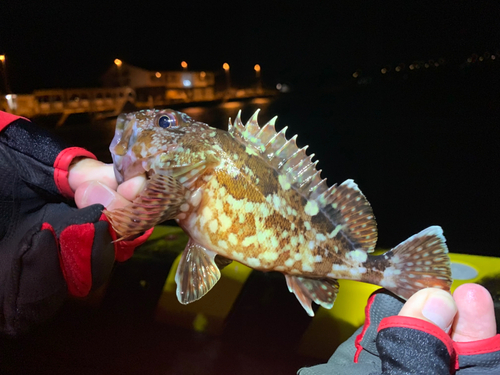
x: 433, y: 305
x: 95, y: 192
x: 130, y: 189
x: 476, y: 314
x: 91, y: 170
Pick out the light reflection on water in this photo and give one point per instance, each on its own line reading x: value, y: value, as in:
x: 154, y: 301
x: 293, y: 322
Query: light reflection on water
x: 218, y: 116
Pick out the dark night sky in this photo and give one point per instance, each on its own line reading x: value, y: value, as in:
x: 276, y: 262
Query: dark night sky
x: 66, y: 44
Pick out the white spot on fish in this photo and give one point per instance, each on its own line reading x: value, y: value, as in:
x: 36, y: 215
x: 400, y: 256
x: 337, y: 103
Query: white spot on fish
x: 248, y: 241
x: 357, y: 255
x: 269, y: 256
x: 233, y: 240
x: 225, y: 222
x: 222, y: 244
x: 250, y: 151
x: 196, y: 198
x: 320, y: 237
x: 213, y: 225
x: 334, y: 232
x: 206, y: 215
x: 276, y: 201
x: 284, y: 182
x: 274, y: 242
x: 238, y: 256
x: 249, y: 207
x: 311, y: 208
x: 307, y: 268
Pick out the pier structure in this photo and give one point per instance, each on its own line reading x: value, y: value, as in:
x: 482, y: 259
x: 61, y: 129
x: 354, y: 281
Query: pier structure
x: 65, y: 102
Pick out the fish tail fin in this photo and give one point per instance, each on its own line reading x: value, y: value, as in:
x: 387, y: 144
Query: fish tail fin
x: 419, y: 262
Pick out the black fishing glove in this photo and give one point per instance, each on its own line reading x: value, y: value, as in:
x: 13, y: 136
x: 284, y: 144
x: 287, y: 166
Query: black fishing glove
x: 48, y: 247
x: 391, y: 344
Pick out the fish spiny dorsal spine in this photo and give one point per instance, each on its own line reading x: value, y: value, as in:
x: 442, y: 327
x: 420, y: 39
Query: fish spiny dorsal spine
x: 298, y: 170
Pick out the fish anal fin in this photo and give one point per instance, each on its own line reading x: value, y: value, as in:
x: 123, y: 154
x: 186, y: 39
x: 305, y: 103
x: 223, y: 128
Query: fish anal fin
x: 346, y: 206
x: 196, y: 274
x: 420, y: 262
x: 159, y: 201
x: 321, y: 291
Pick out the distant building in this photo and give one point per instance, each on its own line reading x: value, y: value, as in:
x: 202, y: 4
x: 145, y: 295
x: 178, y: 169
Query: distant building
x: 162, y: 86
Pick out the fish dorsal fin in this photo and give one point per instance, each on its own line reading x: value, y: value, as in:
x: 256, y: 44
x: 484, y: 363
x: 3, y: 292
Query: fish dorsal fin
x: 345, y: 205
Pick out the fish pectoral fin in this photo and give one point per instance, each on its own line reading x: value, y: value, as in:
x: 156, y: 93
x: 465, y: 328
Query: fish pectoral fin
x: 159, y: 201
x: 188, y: 174
x: 321, y: 291
x: 197, y: 273
x: 222, y: 261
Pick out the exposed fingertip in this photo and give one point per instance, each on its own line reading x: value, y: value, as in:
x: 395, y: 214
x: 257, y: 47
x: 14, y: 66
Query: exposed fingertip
x: 440, y: 309
x: 131, y: 188
x: 433, y: 305
x: 473, y: 301
x: 93, y: 192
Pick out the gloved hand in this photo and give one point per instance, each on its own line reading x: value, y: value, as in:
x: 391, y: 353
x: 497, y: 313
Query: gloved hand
x: 415, y: 341
x: 48, y: 247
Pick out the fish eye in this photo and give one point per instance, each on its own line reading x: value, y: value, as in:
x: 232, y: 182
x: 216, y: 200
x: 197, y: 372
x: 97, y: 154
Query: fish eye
x: 166, y: 121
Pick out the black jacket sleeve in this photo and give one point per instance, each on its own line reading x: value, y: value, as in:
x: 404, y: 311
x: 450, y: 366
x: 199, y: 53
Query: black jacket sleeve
x: 48, y: 247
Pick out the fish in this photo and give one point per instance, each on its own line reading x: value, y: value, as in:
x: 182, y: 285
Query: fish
x: 251, y: 195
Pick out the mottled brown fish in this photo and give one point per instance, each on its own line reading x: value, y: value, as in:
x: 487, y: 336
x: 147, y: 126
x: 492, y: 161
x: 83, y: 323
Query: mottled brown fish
x: 253, y: 196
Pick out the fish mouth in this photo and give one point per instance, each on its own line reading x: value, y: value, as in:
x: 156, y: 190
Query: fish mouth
x: 126, y: 163
x: 119, y: 146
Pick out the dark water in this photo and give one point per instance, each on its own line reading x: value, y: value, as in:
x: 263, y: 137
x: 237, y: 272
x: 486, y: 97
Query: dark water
x: 423, y: 154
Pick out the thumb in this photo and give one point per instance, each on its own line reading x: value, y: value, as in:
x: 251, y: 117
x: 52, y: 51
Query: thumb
x: 432, y: 305
x: 95, y: 192
x: 476, y: 314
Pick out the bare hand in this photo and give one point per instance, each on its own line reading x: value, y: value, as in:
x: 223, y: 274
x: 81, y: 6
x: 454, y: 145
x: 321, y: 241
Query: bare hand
x: 94, y: 183
x: 467, y: 316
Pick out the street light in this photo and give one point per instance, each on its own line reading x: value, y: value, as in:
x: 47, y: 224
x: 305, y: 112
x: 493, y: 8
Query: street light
x: 225, y: 66
x: 4, y: 73
x: 184, y: 65
x: 257, y: 75
x: 118, y: 64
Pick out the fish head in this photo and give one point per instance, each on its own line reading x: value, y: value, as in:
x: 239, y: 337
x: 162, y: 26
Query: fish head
x: 142, y: 136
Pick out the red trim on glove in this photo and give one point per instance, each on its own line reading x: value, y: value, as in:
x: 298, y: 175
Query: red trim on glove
x: 424, y: 326
x: 359, y: 338
x: 478, y: 347
x: 7, y: 118
x: 125, y: 249
x: 47, y: 226
x: 61, y: 167
x: 75, y: 256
